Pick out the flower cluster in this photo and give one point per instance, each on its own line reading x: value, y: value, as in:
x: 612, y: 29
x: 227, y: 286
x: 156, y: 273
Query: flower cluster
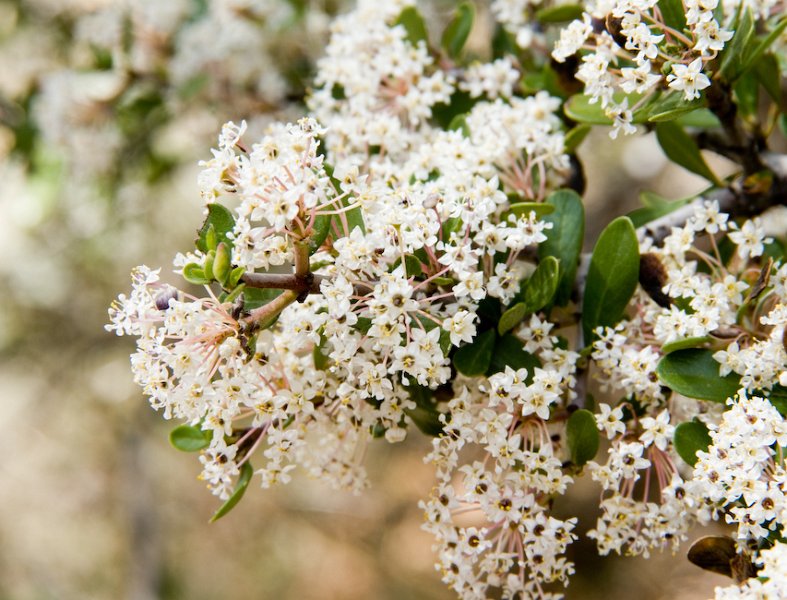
x: 630, y: 51
x: 499, y: 461
x: 403, y: 256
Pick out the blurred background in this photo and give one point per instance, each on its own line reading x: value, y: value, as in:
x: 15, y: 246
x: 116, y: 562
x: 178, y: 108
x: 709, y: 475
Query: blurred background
x: 105, y: 108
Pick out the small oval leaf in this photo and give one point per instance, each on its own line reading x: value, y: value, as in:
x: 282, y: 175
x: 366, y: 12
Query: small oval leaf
x: 689, y: 438
x: 474, y: 358
x: 564, y: 239
x: 511, y: 318
x: 542, y: 285
x: 188, y: 438
x: 612, y: 277
x: 246, y: 471
x: 582, y: 436
x: 193, y: 273
x: 694, y: 373
x: 458, y: 30
x: 222, y: 221
x: 413, y: 23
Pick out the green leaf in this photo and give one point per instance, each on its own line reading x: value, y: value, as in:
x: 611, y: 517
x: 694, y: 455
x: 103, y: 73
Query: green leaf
x: 510, y: 352
x: 564, y: 240
x: 693, y: 342
x: 582, y: 436
x: 767, y: 72
x: 425, y: 415
x: 511, y: 318
x: 474, y: 358
x: 193, y: 273
x: 670, y: 106
x: 222, y: 265
x: 700, y: 118
x: 354, y: 217
x: 580, y: 109
x: 322, y: 226
x: 561, y: 13
x: 689, y: 438
x: 747, y: 93
x: 460, y: 103
x: 681, y: 148
x: 519, y: 209
x: 246, y: 471
x: 542, y: 285
x: 694, y: 373
x: 413, y: 23
x: 459, y: 123
x: 778, y: 397
x: 256, y: 297
x: 458, y: 30
x: 612, y: 277
x: 235, y: 276
x: 735, y: 56
x: 188, y: 438
x: 574, y: 137
x: 223, y: 223
x: 321, y: 359
x: 673, y: 13
x: 654, y: 207
x: 765, y: 43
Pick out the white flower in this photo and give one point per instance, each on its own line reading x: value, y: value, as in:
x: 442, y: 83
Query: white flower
x: 688, y: 78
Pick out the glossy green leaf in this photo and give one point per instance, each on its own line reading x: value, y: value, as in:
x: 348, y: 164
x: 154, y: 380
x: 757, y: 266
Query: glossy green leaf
x: 509, y: 351
x: 564, y: 240
x: 542, y: 284
x: 511, y: 317
x: 188, y: 438
x: 413, y: 23
x: 582, y: 436
x: 693, y: 342
x: 673, y: 13
x: 246, y: 471
x: 561, y: 13
x: 694, y: 373
x: 690, y: 438
x: 474, y: 358
x: 736, y: 53
x: 681, y: 148
x: 612, y: 277
x: 220, y: 217
x: 193, y: 273
x: 458, y: 30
